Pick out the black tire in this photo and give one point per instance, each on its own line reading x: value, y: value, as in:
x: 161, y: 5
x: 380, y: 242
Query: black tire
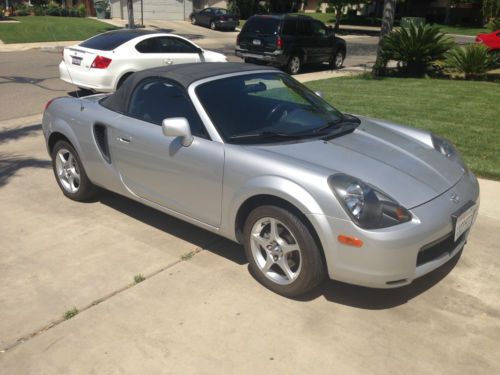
x: 86, y: 190
x: 337, y: 60
x: 193, y: 20
x: 312, y: 270
x: 213, y: 26
x: 294, y: 65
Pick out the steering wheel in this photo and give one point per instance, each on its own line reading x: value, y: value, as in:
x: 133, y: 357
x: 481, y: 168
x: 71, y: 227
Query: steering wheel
x: 277, y: 112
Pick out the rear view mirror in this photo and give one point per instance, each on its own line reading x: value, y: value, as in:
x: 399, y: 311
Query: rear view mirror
x: 178, y: 127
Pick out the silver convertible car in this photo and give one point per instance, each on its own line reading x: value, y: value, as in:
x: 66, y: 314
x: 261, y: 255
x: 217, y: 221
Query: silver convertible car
x: 251, y: 154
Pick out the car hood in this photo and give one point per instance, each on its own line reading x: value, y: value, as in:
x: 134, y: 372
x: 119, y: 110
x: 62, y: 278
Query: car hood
x: 408, y: 170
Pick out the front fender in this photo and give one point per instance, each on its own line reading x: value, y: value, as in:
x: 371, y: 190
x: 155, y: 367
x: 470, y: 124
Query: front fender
x: 267, y: 185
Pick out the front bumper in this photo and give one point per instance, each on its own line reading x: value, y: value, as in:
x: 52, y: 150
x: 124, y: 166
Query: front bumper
x: 390, y: 257
x: 276, y: 58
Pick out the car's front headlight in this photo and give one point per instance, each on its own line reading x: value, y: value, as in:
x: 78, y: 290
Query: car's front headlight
x: 446, y: 148
x: 366, y: 205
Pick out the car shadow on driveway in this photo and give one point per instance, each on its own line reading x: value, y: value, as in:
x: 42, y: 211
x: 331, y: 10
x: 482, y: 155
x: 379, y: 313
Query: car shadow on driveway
x: 333, y: 291
x: 175, y: 227
x: 379, y: 299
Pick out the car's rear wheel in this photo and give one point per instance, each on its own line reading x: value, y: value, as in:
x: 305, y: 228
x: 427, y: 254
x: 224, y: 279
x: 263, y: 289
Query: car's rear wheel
x: 294, y: 64
x: 281, y: 251
x: 213, y: 26
x: 337, y: 60
x: 70, y: 174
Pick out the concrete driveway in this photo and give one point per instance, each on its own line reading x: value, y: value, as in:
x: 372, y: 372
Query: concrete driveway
x: 199, y: 311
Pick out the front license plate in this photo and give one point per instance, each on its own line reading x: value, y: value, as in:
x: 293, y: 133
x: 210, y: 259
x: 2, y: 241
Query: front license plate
x: 256, y: 42
x: 76, y: 61
x: 464, y: 221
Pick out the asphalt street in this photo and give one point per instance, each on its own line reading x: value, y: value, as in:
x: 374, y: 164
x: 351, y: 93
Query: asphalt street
x: 28, y: 79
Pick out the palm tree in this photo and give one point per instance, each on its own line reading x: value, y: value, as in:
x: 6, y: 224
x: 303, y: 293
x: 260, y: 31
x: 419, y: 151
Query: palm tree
x: 130, y: 10
x: 387, y: 23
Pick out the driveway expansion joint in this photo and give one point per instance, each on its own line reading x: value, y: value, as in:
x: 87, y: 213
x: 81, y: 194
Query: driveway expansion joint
x: 184, y: 258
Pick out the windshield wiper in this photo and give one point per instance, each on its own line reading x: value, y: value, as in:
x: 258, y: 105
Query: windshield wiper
x: 348, y: 119
x: 264, y: 135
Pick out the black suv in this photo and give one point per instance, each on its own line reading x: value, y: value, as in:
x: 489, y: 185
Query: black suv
x: 290, y: 42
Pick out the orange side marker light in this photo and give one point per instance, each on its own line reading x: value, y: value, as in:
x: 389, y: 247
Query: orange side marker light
x: 349, y: 240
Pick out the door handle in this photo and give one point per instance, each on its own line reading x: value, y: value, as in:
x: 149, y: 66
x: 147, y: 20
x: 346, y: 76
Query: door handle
x: 124, y: 140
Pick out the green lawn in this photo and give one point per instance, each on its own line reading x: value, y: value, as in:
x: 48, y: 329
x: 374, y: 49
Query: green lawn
x: 50, y: 29
x: 472, y: 31
x: 465, y: 112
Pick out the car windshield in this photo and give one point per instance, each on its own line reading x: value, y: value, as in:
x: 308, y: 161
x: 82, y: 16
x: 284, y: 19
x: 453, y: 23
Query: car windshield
x: 262, y: 25
x: 266, y: 107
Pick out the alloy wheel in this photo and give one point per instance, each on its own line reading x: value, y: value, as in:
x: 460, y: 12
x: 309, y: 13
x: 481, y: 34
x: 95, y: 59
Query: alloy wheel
x: 275, y: 250
x: 67, y: 171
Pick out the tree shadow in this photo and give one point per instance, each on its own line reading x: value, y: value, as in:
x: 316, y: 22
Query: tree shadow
x: 19, y: 132
x: 10, y: 164
x: 27, y: 81
x: 379, y: 299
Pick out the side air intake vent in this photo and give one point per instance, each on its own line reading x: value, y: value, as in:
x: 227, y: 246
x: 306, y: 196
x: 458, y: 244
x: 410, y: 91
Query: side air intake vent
x: 101, y: 138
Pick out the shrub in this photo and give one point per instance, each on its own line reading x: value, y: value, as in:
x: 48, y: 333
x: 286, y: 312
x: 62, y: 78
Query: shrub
x: 38, y: 10
x: 53, y: 9
x: 81, y: 10
x: 416, y: 48
x: 22, y: 10
x: 472, y: 60
x: 330, y: 9
x: 64, y: 12
x: 494, y: 24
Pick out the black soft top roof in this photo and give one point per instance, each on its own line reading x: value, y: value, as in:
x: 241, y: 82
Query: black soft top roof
x: 182, y: 74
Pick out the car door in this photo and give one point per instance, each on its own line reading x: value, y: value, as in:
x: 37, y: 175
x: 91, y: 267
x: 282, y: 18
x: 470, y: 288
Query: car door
x: 324, y: 41
x: 205, y: 16
x: 305, y: 39
x: 157, y: 168
x: 166, y: 50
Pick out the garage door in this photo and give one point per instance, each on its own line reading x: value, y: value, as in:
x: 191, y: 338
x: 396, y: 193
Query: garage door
x: 174, y: 10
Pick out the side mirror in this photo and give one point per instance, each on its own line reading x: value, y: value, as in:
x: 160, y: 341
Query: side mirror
x: 178, y: 127
x: 319, y: 93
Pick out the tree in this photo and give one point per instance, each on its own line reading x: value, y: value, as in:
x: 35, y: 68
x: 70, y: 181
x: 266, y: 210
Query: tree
x: 130, y: 10
x: 338, y: 5
x: 387, y: 23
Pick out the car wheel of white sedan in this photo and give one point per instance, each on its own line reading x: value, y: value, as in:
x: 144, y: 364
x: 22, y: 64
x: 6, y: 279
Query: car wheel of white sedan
x: 282, y: 253
x: 69, y: 172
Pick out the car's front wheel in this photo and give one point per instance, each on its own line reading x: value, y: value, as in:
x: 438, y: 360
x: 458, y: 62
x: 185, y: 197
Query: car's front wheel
x: 193, y: 20
x: 281, y: 251
x: 70, y: 174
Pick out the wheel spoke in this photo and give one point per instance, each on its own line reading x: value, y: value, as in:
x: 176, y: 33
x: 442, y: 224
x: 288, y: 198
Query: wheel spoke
x: 288, y: 248
x: 260, y: 241
x: 269, y: 263
x: 273, y: 230
x: 60, y: 155
x: 283, y: 264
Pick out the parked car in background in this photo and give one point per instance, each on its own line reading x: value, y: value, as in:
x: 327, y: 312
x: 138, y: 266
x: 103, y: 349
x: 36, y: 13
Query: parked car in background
x: 492, y: 41
x: 289, y: 42
x: 215, y: 18
x: 251, y: 154
x: 103, y: 62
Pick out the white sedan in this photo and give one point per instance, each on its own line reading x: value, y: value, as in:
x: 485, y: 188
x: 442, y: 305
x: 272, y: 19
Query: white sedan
x: 103, y: 62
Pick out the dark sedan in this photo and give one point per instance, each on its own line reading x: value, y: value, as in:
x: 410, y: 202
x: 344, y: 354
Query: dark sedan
x: 215, y: 18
